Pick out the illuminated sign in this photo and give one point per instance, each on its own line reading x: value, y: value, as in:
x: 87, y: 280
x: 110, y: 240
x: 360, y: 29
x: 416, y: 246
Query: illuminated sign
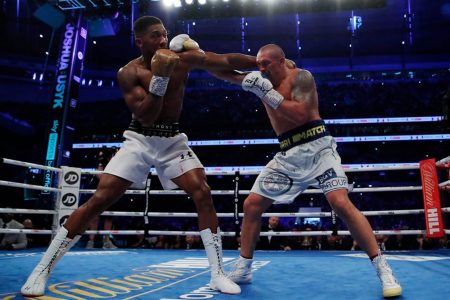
x: 65, y: 93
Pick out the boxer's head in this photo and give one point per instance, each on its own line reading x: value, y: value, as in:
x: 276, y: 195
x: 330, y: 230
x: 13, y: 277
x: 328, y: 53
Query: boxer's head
x: 150, y: 34
x: 271, y: 60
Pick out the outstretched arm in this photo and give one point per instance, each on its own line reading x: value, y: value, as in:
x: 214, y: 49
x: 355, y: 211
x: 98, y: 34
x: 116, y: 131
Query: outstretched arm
x: 210, y: 61
x: 233, y: 76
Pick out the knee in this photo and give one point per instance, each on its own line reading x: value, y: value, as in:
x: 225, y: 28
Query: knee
x: 252, y: 207
x: 342, y: 206
x: 202, y: 195
x: 98, y: 202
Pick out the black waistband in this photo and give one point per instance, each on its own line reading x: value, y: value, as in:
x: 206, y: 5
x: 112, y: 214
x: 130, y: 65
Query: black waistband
x: 306, y: 133
x: 158, y: 129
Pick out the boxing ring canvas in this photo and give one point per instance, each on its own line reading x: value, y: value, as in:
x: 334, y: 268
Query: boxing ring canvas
x: 184, y: 274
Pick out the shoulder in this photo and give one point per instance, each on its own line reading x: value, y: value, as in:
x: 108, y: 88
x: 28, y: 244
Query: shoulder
x: 302, y: 75
x: 129, y: 67
x: 130, y: 71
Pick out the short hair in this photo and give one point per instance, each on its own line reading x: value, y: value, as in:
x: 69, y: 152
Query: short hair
x: 275, y: 49
x: 142, y: 23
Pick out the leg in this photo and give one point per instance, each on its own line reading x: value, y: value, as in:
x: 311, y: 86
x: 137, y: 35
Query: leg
x: 194, y: 184
x: 92, y: 226
x: 254, y: 206
x: 108, y: 225
x: 356, y: 222
x: 109, y: 190
x: 362, y: 233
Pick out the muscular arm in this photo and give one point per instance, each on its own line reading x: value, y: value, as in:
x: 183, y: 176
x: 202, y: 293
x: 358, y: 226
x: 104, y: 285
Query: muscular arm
x: 144, y: 105
x: 211, y: 61
x: 304, y: 96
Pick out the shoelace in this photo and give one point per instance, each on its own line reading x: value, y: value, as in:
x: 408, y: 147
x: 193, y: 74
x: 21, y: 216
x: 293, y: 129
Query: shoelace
x: 385, y: 273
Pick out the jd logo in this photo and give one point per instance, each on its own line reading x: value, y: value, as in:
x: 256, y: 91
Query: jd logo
x: 69, y: 199
x: 71, y: 177
x: 63, y: 220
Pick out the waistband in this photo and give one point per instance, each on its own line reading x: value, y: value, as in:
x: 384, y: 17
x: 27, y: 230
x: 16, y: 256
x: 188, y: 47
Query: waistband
x: 157, y: 129
x: 303, y: 134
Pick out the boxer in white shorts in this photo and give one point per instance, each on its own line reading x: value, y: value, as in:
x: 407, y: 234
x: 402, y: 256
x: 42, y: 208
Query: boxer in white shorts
x: 153, y: 87
x: 167, y: 150
x: 308, y: 158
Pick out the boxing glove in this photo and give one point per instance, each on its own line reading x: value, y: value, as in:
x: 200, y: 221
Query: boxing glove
x: 163, y: 63
x: 262, y: 87
x: 183, y: 42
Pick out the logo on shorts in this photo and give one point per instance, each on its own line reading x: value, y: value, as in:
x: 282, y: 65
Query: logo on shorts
x: 329, y: 181
x: 275, y: 183
x: 71, y: 177
x: 327, y: 175
x: 188, y: 155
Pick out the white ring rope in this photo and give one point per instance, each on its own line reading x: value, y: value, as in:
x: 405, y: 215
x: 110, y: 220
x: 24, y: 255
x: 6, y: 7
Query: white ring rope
x: 228, y: 233
x: 442, y: 184
x: 347, y: 169
x: 27, y: 211
x: 29, y: 165
x: 246, y: 192
x: 224, y: 215
x: 215, y: 192
x: 28, y: 186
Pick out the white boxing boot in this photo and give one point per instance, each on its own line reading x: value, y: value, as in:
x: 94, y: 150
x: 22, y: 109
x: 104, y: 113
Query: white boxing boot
x: 391, y: 287
x: 213, y: 247
x: 242, y: 271
x: 35, y: 284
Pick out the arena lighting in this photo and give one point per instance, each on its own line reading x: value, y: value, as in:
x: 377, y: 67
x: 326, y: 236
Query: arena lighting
x: 167, y: 3
x: 202, y: 2
x: 177, y: 3
x: 189, y: 2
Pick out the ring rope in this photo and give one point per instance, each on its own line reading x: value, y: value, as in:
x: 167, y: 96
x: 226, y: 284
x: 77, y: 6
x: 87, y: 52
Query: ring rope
x: 28, y: 186
x: 246, y: 192
x: 227, y: 233
x: 27, y: 211
x: 225, y: 215
x: 442, y: 184
x: 28, y: 165
x: 216, y: 192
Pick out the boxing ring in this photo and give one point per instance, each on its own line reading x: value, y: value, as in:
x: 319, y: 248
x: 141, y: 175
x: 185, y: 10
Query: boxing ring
x: 184, y: 274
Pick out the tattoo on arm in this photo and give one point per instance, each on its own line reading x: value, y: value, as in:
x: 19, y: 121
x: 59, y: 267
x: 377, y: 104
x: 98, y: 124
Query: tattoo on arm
x: 303, y: 86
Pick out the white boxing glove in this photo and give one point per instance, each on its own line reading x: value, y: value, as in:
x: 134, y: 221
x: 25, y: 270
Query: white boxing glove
x: 183, y: 42
x: 262, y: 87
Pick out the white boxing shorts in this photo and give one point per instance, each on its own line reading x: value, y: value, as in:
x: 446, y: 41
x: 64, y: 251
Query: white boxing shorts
x: 312, y: 164
x: 171, y: 156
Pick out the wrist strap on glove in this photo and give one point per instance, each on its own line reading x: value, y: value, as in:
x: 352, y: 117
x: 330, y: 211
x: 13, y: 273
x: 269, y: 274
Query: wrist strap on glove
x: 158, y: 85
x: 273, y: 99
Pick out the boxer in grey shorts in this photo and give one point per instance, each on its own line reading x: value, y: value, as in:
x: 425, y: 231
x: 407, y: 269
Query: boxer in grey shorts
x: 313, y: 164
x: 308, y: 157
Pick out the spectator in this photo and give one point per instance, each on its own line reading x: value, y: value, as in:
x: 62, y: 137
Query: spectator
x: 11, y: 241
x: 273, y: 242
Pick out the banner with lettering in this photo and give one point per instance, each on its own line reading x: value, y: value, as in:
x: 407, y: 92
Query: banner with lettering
x: 65, y: 95
x: 431, y: 199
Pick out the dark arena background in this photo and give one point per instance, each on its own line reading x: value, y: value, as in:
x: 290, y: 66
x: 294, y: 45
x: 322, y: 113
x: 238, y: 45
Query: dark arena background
x: 382, y: 70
